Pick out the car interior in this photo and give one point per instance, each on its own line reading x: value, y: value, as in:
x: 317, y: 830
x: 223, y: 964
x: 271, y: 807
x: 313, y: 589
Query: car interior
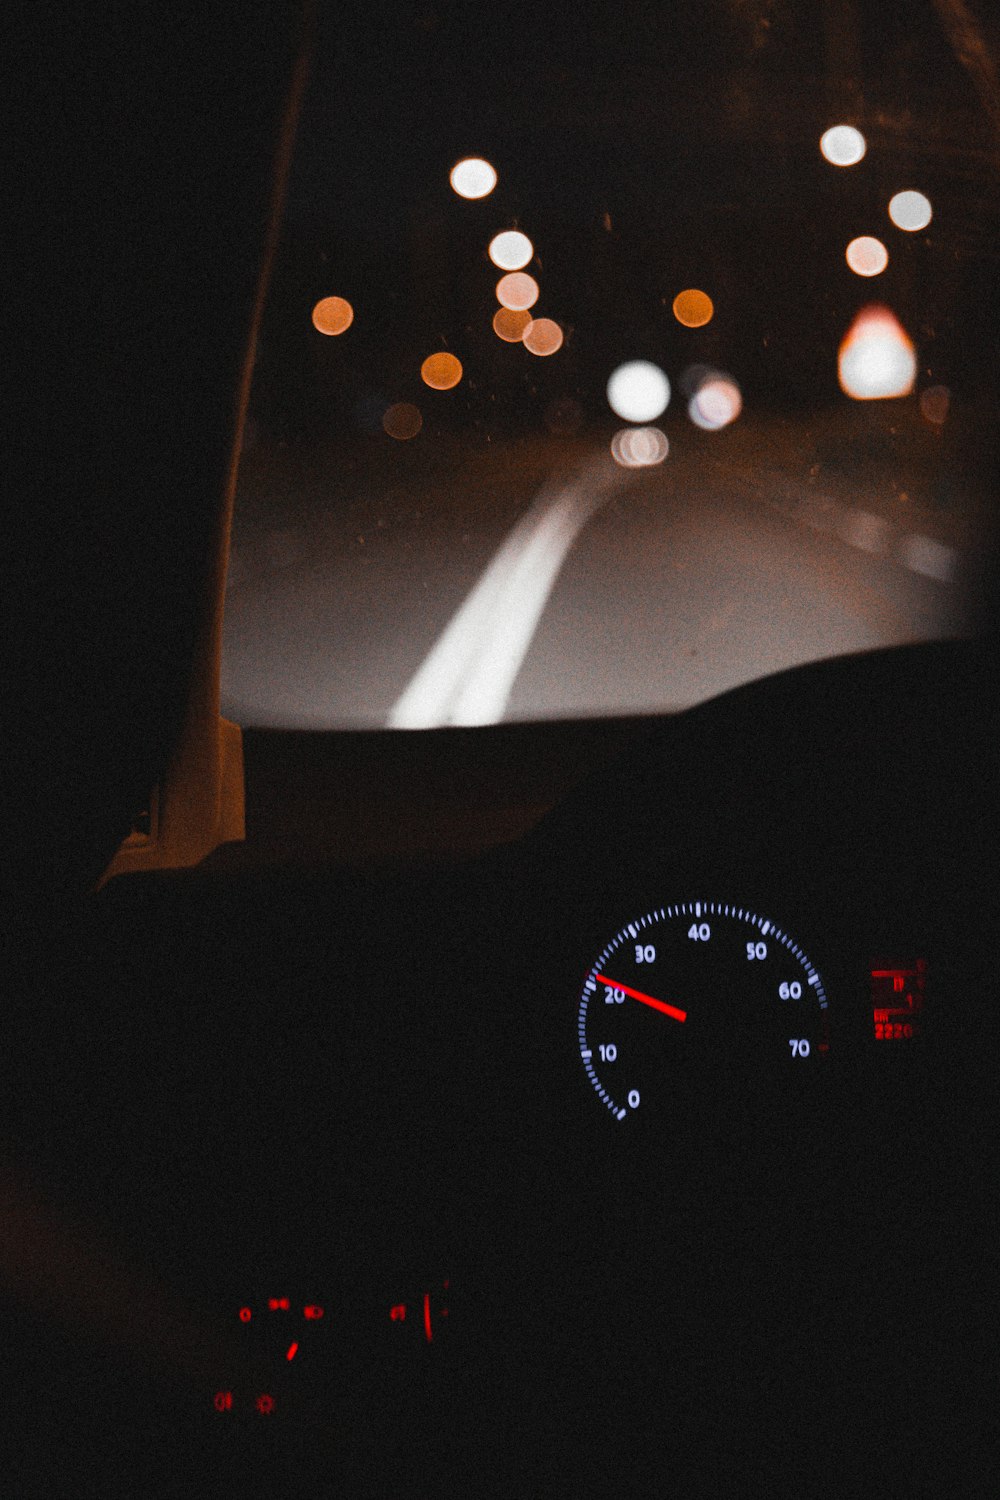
x: 362, y: 1128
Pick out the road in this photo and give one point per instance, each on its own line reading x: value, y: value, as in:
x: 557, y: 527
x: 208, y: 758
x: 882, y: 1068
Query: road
x: 537, y: 578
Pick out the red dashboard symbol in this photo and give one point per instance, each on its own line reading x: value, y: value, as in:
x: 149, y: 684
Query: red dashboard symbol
x: 265, y: 1404
x: 312, y: 1311
x: 245, y: 1314
x: 277, y: 1304
x: 223, y: 1400
x: 398, y: 1313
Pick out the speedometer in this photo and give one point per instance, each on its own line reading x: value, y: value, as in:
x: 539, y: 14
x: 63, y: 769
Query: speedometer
x: 695, y: 986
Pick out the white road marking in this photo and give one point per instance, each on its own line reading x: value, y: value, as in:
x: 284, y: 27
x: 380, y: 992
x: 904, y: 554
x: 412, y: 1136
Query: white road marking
x: 870, y: 533
x: 859, y: 528
x: 469, y: 673
x: 922, y: 554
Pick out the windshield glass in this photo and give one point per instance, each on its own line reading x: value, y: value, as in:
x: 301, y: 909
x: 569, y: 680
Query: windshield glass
x: 615, y: 358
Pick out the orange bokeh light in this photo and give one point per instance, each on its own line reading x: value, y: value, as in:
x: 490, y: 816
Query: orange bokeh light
x: 441, y: 371
x: 517, y: 291
x: 332, y: 315
x: 693, y: 308
x: 542, y: 336
x: 402, y: 420
x: 509, y: 325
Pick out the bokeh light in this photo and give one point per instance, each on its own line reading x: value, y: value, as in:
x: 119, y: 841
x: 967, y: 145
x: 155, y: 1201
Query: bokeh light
x: 934, y: 404
x: 441, y: 371
x: 867, y: 256
x: 693, y: 308
x: 509, y: 324
x: 876, y: 359
x: 715, y: 403
x: 843, y: 145
x: 517, y: 291
x: 511, y: 250
x: 639, y: 447
x: 472, y: 177
x: 910, y: 210
x: 638, y: 391
x: 402, y: 420
x: 543, y: 336
x: 332, y: 315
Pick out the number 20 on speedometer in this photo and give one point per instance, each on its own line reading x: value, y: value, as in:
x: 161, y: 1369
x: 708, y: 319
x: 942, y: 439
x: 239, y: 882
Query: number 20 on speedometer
x: 691, y: 983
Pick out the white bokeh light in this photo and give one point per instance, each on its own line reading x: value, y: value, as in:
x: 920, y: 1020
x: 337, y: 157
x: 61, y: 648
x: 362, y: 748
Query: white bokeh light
x: 910, y: 210
x: 843, y: 145
x: 511, y: 250
x: 877, y: 359
x: 716, y: 403
x: 639, y: 447
x: 472, y: 177
x: 638, y: 391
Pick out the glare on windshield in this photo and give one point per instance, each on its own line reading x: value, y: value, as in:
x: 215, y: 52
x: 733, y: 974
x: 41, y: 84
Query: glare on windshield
x: 608, y: 381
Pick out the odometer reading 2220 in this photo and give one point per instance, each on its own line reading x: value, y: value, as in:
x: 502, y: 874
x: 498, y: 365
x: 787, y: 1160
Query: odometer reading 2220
x: 692, y: 986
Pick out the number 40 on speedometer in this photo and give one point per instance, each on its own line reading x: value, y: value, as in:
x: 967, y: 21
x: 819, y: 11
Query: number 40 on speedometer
x: 691, y: 982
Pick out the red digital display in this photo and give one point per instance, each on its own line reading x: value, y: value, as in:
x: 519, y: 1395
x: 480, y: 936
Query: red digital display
x: 897, y: 993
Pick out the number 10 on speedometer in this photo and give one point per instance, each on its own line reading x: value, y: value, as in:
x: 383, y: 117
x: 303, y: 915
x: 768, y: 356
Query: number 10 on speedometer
x: 691, y: 982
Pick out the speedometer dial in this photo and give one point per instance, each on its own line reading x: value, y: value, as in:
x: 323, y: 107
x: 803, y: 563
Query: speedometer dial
x: 693, y: 986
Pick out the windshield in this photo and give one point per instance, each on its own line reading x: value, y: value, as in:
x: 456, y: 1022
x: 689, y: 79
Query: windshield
x: 617, y: 358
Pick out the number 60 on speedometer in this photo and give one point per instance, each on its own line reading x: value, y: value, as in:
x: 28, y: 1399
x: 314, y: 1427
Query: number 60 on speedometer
x: 686, y: 983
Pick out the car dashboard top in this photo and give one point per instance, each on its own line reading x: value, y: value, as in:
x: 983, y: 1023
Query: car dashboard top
x: 666, y: 1122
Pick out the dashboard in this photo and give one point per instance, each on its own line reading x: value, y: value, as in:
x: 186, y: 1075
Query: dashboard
x: 649, y: 1152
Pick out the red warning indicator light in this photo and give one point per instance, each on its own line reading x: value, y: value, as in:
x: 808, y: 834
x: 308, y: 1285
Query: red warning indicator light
x: 312, y: 1312
x: 277, y: 1304
x: 223, y: 1400
x: 897, y: 993
x: 245, y: 1314
x: 265, y: 1404
x: 398, y: 1313
x: 293, y: 1349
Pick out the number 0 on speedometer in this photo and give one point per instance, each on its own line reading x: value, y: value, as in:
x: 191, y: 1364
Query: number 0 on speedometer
x: 688, y: 984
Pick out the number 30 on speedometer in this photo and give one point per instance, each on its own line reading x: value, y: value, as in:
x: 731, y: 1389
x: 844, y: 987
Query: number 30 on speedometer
x: 688, y: 983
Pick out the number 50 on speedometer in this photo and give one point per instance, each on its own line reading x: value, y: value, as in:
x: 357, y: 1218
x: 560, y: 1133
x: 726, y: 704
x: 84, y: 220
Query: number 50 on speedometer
x: 693, y: 983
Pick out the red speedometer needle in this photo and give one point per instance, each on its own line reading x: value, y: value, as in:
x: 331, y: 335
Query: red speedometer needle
x: 668, y: 1010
